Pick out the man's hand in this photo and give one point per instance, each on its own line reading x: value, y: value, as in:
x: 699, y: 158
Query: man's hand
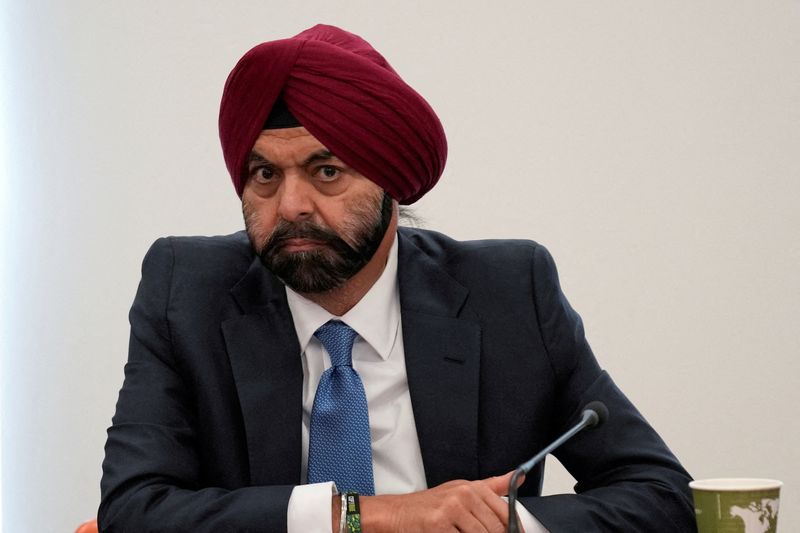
x: 464, y: 506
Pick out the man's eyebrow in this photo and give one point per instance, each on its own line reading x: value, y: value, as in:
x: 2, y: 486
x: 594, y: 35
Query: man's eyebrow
x: 255, y: 157
x: 321, y: 155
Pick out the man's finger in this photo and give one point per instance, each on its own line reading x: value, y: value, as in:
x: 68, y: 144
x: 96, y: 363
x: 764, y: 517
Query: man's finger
x: 496, y: 505
x: 499, y: 484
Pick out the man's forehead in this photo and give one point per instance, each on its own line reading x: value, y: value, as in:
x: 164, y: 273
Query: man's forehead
x: 299, y: 138
x: 284, y: 134
x: 296, y: 143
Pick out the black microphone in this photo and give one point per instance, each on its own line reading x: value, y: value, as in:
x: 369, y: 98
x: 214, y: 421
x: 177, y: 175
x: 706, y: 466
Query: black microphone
x: 594, y: 415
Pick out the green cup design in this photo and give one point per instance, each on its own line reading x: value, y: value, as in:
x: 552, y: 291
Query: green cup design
x: 736, y: 505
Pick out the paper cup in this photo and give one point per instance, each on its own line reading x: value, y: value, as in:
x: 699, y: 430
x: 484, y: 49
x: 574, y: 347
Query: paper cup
x: 736, y: 505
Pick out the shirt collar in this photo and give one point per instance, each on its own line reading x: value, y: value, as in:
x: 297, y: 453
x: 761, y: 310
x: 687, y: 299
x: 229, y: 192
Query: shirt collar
x: 376, y: 317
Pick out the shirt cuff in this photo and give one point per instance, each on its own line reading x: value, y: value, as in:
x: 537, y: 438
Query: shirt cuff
x: 310, y: 508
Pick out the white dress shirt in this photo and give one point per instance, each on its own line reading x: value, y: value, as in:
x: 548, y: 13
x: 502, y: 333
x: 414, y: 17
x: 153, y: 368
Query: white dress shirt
x: 379, y: 359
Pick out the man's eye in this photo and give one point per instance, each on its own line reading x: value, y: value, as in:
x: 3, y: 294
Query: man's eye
x: 263, y: 174
x: 328, y: 173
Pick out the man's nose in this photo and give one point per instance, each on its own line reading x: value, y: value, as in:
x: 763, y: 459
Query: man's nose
x: 296, y: 199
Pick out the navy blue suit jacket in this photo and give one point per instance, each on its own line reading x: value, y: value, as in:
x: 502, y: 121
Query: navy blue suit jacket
x: 206, y: 435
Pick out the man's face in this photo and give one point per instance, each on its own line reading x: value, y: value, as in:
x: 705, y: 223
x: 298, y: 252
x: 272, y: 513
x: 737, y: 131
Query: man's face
x: 313, y: 220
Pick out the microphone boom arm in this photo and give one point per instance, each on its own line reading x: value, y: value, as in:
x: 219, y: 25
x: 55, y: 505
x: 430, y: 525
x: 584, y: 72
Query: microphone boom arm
x: 589, y: 418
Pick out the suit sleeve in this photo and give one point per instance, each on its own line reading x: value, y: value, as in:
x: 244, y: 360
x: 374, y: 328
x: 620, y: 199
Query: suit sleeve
x: 151, y: 469
x: 627, y: 479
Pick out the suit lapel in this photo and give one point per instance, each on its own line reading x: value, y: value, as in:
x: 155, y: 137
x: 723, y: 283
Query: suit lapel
x: 265, y: 359
x: 442, y: 361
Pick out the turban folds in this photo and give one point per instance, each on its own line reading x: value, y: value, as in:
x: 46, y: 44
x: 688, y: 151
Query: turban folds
x: 348, y: 97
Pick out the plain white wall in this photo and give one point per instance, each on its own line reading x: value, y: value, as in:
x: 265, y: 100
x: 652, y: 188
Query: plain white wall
x: 652, y: 146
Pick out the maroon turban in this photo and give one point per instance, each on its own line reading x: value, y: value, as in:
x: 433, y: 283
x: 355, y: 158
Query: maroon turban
x: 348, y: 97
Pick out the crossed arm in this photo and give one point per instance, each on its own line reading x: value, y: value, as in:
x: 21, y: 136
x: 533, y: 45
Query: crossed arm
x: 464, y: 506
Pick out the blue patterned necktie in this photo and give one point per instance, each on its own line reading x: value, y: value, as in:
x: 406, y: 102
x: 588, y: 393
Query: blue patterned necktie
x: 339, y: 444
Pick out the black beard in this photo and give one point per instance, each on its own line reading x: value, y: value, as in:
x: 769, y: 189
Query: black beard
x: 330, y: 265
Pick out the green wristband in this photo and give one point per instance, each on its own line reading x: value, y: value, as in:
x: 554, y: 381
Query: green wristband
x: 353, y: 513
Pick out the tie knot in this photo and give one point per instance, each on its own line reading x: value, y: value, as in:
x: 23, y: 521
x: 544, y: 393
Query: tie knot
x: 337, y: 338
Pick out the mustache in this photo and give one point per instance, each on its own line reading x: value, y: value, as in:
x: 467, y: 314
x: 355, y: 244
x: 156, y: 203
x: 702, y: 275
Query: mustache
x: 285, y: 231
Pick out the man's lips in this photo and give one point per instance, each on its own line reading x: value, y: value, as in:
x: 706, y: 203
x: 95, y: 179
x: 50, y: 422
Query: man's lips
x: 298, y: 244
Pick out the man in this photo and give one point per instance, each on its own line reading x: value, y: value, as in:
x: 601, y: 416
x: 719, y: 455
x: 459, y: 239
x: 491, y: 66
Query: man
x: 327, y: 350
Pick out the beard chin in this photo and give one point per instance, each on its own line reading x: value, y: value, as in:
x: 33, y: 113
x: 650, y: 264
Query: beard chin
x: 331, y: 264
x: 313, y: 271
